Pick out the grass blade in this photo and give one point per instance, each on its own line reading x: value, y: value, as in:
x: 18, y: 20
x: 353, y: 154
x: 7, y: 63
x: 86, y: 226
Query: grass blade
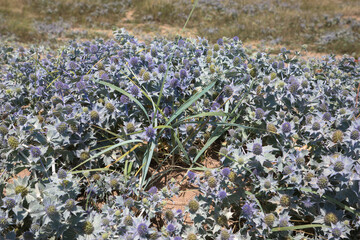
x: 105, y: 151
x: 188, y: 103
x: 205, y: 114
x: 292, y: 228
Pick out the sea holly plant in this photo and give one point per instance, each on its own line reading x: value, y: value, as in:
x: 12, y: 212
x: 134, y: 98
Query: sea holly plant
x: 99, y: 124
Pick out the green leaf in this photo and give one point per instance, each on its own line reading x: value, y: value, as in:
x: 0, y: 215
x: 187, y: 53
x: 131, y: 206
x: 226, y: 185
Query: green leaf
x: 205, y: 114
x: 256, y: 200
x: 91, y: 170
x: 105, y: 151
x: 146, y: 162
x: 214, y: 136
x: 292, y: 228
x: 189, y: 102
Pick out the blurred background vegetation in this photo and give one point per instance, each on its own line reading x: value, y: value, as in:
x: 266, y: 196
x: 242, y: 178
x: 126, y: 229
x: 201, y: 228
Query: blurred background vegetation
x: 325, y: 26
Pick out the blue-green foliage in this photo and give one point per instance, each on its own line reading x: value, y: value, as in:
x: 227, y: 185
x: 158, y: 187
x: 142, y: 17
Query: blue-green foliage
x: 288, y: 128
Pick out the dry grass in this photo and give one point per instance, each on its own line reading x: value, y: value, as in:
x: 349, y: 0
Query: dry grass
x: 292, y: 23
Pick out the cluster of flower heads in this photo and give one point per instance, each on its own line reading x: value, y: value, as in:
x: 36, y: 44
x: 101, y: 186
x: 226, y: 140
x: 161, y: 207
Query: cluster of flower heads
x: 288, y: 127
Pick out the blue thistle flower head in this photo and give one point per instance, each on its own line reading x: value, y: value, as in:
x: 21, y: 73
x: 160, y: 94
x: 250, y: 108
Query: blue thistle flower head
x: 197, y: 73
x: 355, y: 134
x: 35, y: 152
x: 220, y: 41
x: 183, y: 73
x: 170, y: 228
x: 72, y: 65
x: 181, y: 43
x: 133, y: 61
x: 162, y: 68
x: 228, y: 91
x: 225, y: 172
x: 70, y: 204
x: 167, y: 111
x: 153, y: 190
x: 9, y: 202
x: 198, y: 53
x: 104, y: 76
x: 28, y: 235
x: 326, y: 116
x: 257, y: 149
x: 248, y: 210
x: 222, y: 194
x: 150, y: 133
x: 215, y: 106
x: 174, y: 83
x: 81, y: 85
x: 62, y: 174
x: 259, y: 113
x: 94, y: 49
x: 39, y: 91
x: 142, y: 229
x: 191, y: 175
x: 135, y: 91
x: 91, y: 190
x: 294, y: 86
x: 153, y: 52
x: 51, y: 210
x: 124, y: 99
x: 286, y: 127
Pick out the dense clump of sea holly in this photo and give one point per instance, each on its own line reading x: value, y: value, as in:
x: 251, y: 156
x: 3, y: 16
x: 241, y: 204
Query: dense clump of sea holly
x: 161, y: 103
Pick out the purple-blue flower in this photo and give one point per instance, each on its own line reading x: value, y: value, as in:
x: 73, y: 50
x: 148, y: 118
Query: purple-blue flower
x: 150, y: 133
x: 183, y: 73
x: 142, y: 229
x: 191, y: 175
x: 170, y: 228
x: 153, y: 190
x: 222, y: 194
x: 35, y: 152
x: 225, y: 172
x: 133, y: 61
